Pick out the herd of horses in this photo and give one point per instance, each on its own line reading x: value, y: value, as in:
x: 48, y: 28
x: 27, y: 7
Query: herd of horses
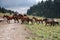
x: 25, y: 19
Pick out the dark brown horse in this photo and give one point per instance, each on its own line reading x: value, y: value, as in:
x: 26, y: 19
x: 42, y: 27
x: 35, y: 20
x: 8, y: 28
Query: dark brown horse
x: 16, y: 18
x: 50, y: 21
x: 38, y: 20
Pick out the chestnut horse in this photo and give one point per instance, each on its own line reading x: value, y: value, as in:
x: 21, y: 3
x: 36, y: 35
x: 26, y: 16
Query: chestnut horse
x: 38, y: 20
x: 14, y: 17
x: 8, y: 18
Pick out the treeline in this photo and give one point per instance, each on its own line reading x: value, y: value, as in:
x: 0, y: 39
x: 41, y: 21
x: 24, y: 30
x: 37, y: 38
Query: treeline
x: 48, y: 8
x: 3, y: 10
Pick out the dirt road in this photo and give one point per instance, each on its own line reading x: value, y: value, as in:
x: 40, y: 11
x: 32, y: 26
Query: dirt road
x: 12, y: 31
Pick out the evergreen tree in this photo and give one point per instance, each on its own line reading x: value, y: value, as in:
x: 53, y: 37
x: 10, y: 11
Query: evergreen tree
x: 47, y: 9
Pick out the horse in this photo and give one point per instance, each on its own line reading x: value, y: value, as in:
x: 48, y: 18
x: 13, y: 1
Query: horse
x: 16, y: 18
x: 25, y: 18
x: 56, y: 23
x: 31, y: 20
x: 38, y: 20
x: 8, y: 18
x: 50, y: 21
x: 19, y: 16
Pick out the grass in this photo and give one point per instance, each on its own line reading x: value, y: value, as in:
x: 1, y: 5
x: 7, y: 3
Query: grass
x: 45, y: 32
x: 30, y: 16
x: 1, y: 14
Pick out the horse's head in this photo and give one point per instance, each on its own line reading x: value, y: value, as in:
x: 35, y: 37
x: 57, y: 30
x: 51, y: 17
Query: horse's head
x: 20, y: 16
x: 4, y: 16
x: 34, y: 17
x: 25, y: 15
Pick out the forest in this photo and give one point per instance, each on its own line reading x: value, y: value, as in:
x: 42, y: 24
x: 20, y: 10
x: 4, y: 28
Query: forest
x: 3, y: 10
x: 49, y: 8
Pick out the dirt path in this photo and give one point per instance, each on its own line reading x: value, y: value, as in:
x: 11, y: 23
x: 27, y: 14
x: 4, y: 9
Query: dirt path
x: 13, y: 31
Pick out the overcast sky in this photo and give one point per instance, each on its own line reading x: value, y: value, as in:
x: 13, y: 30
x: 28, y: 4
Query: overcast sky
x: 18, y: 5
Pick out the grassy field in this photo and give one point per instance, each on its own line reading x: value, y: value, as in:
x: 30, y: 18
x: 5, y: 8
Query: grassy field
x: 1, y: 14
x: 43, y: 32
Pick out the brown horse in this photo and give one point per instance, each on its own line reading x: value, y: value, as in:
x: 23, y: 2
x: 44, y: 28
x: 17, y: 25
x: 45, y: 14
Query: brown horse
x: 31, y: 20
x: 8, y: 18
x: 24, y: 18
x: 16, y: 18
x: 38, y: 20
x: 19, y: 16
x: 50, y: 21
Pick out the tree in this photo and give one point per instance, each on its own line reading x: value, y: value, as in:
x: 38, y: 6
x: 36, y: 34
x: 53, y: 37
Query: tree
x: 3, y: 10
x: 47, y: 9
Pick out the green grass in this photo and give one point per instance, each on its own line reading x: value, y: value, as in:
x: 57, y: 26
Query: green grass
x: 45, y: 32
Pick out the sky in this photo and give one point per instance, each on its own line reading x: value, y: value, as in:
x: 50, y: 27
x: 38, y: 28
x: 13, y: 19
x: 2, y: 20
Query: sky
x: 20, y: 6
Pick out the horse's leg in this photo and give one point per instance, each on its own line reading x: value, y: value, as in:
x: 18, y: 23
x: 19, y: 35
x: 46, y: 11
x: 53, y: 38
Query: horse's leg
x: 45, y: 24
x: 14, y: 21
x: 17, y: 21
x: 57, y: 23
x: 32, y: 21
x: 36, y: 21
x: 27, y: 21
x: 39, y: 21
x: 53, y: 23
x: 9, y: 21
x: 42, y: 22
x: 50, y: 24
x: 22, y: 21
